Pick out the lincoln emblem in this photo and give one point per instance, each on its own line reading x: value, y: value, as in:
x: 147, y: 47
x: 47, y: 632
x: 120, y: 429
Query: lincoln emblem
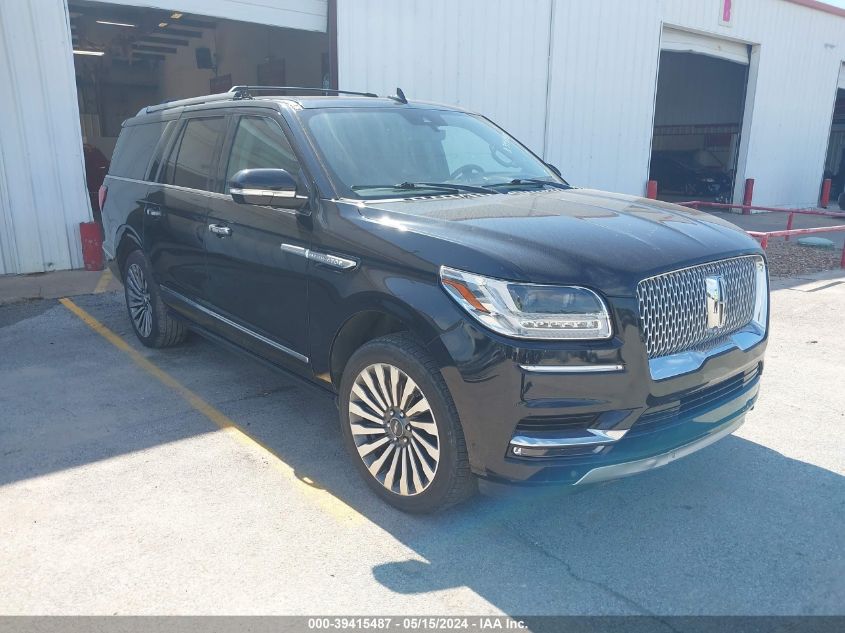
x: 714, y: 289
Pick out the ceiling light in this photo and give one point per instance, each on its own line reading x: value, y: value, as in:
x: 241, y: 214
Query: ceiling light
x: 175, y: 15
x: 115, y: 23
x: 94, y: 53
x: 161, y: 25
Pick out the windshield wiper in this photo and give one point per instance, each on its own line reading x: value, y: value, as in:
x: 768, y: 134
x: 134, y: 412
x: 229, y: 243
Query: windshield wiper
x: 468, y: 188
x: 422, y: 186
x: 533, y: 181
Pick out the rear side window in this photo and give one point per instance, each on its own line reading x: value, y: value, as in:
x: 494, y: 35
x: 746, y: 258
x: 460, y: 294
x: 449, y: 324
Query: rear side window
x: 192, y: 159
x: 260, y: 143
x: 134, y: 149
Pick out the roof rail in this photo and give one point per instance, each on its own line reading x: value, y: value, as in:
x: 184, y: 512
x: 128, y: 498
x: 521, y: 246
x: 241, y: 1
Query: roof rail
x: 223, y: 96
x: 245, y: 92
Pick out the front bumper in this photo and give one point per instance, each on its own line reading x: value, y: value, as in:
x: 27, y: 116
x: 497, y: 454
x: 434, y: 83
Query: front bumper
x: 624, y: 469
x: 626, y: 420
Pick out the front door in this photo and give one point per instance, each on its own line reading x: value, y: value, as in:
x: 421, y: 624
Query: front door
x: 257, y: 275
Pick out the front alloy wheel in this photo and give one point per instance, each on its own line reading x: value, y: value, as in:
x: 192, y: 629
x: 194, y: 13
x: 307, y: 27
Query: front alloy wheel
x: 394, y: 429
x: 401, y: 426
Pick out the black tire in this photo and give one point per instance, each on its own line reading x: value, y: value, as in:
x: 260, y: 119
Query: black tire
x: 452, y: 480
x: 156, y: 328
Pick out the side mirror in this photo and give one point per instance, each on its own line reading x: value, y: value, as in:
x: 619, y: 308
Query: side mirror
x: 266, y: 187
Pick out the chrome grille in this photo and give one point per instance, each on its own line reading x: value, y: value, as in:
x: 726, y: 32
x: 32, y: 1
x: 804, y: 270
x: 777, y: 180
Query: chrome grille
x: 673, y: 306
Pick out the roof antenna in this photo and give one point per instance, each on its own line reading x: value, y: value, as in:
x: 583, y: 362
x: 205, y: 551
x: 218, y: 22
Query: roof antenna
x: 399, y: 97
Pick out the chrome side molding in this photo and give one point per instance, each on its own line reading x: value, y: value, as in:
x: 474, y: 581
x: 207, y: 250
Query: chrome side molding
x: 327, y: 259
x: 237, y: 326
x: 267, y: 193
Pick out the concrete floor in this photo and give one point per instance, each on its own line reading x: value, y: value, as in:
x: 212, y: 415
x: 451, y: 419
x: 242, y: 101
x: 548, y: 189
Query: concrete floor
x: 120, y: 493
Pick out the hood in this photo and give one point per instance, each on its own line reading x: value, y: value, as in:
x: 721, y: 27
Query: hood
x: 578, y: 236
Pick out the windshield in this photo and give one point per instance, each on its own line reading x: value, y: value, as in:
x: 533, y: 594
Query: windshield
x: 395, y: 152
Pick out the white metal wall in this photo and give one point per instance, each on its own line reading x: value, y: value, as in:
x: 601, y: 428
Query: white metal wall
x: 308, y: 15
x: 484, y: 55
x: 43, y: 195
x: 492, y: 57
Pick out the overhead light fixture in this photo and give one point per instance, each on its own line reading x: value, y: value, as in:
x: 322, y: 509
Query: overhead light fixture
x: 161, y: 25
x: 175, y: 15
x: 77, y: 51
x: 115, y: 23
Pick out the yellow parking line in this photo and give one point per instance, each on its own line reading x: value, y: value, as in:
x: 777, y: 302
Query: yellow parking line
x: 327, y: 501
x: 103, y: 283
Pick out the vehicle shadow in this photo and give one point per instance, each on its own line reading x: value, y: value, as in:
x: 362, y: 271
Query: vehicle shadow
x: 737, y: 528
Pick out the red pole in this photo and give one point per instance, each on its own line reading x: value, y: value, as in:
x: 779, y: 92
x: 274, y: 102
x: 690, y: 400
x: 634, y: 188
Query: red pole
x: 651, y: 189
x: 825, y: 193
x: 789, y: 224
x: 764, y: 242
x: 747, y: 196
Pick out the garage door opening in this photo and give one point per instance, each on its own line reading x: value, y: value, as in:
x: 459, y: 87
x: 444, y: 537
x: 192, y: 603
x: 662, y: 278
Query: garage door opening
x: 701, y: 90
x: 834, y: 166
x: 129, y: 57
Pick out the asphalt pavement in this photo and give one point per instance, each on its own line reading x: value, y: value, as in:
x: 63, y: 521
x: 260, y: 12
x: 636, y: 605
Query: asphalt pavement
x: 194, y: 481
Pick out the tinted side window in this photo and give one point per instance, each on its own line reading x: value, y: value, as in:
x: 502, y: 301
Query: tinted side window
x: 135, y: 147
x: 192, y: 158
x: 119, y: 161
x: 260, y: 143
x: 159, y: 150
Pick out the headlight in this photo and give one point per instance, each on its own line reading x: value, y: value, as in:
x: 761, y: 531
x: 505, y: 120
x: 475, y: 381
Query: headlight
x: 529, y: 310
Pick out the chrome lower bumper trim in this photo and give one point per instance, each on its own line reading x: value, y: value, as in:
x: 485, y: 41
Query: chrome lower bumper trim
x: 570, y: 369
x: 593, y: 437
x: 684, y: 362
x: 616, y: 471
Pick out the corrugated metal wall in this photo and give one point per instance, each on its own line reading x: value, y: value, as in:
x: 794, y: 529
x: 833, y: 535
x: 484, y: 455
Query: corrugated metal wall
x: 308, y: 15
x: 42, y: 183
x: 489, y: 56
x: 588, y: 107
x: 43, y: 195
x: 597, y: 123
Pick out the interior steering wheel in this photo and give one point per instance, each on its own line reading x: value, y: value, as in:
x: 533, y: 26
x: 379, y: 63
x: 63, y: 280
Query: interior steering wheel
x: 465, y: 171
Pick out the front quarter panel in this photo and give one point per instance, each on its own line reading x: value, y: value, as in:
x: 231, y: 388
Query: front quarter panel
x: 395, y: 275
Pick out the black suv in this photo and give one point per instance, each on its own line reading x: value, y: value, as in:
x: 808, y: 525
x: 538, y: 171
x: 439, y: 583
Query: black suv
x: 477, y: 317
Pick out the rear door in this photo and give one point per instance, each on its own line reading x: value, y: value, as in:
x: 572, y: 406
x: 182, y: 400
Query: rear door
x: 175, y: 226
x: 257, y: 271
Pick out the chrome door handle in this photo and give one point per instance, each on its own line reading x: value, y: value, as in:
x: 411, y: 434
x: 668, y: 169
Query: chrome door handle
x: 219, y: 230
x: 153, y: 212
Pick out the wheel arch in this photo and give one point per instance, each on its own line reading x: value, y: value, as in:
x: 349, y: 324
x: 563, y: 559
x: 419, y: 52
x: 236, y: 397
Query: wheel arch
x: 374, y: 321
x: 127, y: 241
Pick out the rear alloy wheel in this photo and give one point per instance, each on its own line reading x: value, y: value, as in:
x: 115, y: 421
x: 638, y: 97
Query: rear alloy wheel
x: 152, y: 322
x: 402, y: 428
x: 138, y: 300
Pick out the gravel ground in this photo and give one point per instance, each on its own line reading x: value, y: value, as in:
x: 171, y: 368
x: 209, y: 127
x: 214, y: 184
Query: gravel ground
x: 789, y: 259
